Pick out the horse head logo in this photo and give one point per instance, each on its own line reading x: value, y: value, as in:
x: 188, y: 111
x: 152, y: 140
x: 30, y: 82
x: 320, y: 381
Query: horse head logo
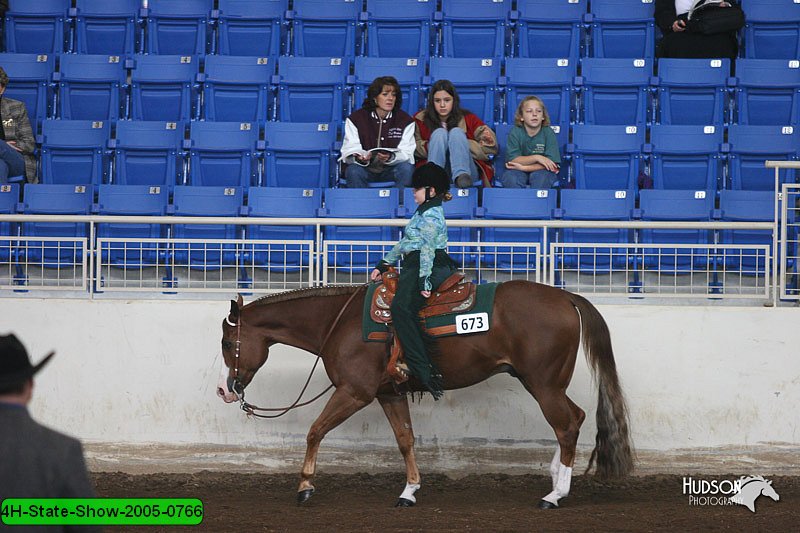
x: 750, y: 488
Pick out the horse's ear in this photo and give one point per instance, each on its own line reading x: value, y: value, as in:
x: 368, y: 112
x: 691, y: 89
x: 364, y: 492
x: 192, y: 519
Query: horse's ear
x: 239, y: 301
x: 235, y: 305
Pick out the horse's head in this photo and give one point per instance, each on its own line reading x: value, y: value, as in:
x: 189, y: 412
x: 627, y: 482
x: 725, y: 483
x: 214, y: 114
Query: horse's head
x: 244, y: 351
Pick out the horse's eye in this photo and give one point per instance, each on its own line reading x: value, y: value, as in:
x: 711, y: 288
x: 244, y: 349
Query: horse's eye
x: 227, y: 345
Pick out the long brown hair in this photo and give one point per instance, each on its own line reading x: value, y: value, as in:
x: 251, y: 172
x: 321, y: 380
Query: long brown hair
x: 376, y: 87
x: 431, y: 118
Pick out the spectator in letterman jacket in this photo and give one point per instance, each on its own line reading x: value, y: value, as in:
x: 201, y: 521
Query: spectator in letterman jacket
x: 379, y: 138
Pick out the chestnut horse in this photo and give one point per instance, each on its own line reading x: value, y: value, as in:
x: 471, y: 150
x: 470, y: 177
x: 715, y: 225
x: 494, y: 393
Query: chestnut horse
x: 534, y: 335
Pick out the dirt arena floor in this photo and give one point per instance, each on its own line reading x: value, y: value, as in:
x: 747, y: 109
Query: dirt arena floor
x: 485, y: 503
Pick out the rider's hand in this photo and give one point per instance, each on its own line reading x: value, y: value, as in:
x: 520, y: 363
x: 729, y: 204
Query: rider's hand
x: 425, y: 294
x: 375, y: 275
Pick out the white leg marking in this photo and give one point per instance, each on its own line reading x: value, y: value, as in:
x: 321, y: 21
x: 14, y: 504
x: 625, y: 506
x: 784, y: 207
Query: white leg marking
x: 408, y: 493
x: 554, y: 464
x: 561, y: 489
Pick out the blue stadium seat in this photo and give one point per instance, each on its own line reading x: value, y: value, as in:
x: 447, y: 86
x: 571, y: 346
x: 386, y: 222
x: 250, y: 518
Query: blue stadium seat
x: 476, y: 80
x: 399, y: 28
x: 589, y: 204
x: 109, y: 27
x: 206, y: 202
x: 222, y: 154
x: 474, y: 28
x: 131, y: 200
x: 298, y: 154
x: 147, y: 153
x: 251, y: 27
x: 237, y: 89
x: 30, y: 81
x: 178, y: 27
x: 408, y: 72
x: 9, y: 196
x: 360, y: 203
x: 750, y: 146
x: 745, y: 206
x: 74, y: 151
x: 768, y: 92
x: 515, y: 204
x: 37, y: 27
x: 550, y: 28
x: 281, y: 202
x: 310, y: 88
x: 622, y: 28
x: 163, y: 88
x: 615, y: 91
x: 683, y: 206
x: 325, y: 28
x: 91, y: 87
x: 49, y: 199
x: 692, y: 91
x: 606, y: 157
x: 502, y: 131
x: 772, y: 29
x: 686, y: 157
x: 548, y: 78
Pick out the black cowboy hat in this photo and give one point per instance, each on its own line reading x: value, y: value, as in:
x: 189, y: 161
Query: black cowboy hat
x: 15, y: 365
x: 431, y: 175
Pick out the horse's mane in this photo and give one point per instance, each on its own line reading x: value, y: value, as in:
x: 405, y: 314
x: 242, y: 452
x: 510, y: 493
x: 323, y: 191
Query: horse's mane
x: 297, y: 294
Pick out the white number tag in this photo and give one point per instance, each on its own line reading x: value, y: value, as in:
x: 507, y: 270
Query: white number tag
x: 472, y: 323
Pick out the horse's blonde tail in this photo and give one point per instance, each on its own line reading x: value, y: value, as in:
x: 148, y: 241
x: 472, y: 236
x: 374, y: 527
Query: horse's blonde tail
x: 613, y: 449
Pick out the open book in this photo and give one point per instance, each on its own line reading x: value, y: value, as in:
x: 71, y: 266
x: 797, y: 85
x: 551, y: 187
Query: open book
x: 373, y: 160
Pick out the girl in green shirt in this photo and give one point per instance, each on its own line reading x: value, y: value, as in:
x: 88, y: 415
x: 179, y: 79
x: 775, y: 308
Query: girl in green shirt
x: 532, y: 155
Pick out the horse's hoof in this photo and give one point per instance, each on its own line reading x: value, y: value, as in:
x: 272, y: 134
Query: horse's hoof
x: 304, y: 495
x: 404, y: 502
x: 544, y: 504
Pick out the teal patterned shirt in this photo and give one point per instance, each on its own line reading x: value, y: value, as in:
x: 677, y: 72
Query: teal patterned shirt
x: 426, y: 232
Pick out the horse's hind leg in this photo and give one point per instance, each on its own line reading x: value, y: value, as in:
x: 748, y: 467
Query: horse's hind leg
x: 339, y: 408
x: 565, y: 418
x: 555, y: 464
x: 396, y: 409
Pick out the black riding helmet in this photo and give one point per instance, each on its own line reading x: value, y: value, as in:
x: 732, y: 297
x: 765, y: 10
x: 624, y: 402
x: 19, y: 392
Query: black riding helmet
x: 431, y: 175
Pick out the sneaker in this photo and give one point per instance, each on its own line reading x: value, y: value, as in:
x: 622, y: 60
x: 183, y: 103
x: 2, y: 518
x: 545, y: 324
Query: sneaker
x: 464, y: 181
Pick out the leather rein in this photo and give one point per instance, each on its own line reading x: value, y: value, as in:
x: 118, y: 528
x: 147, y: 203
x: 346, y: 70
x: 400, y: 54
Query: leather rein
x: 236, y: 384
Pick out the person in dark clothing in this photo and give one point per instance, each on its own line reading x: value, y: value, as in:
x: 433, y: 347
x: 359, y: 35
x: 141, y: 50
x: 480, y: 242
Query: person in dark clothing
x: 678, y: 41
x: 425, y: 266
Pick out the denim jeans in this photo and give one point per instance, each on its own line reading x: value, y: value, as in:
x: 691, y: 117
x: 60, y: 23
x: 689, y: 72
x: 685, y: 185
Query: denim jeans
x: 357, y: 176
x: 12, y: 163
x: 538, y: 179
x: 450, y: 150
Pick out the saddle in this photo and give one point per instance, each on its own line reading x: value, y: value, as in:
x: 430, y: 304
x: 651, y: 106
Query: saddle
x: 452, y: 296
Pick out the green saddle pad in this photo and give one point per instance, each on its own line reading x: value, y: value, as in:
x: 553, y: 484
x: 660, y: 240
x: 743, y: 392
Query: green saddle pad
x: 437, y: 326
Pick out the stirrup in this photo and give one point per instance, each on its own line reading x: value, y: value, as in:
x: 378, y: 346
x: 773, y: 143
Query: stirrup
x: 399, y: 372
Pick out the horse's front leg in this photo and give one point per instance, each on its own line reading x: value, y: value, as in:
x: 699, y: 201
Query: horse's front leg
x: 341, y: 406
x: 396, y: 409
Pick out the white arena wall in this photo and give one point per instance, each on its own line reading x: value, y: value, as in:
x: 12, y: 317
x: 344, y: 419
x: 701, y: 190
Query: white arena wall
x: 133, y: 373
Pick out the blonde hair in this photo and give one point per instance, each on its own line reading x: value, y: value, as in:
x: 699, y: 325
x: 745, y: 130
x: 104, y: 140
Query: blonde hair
x: 545, y: 114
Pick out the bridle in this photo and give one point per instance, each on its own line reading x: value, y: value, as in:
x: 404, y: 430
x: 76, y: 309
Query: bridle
x: 235, y: 383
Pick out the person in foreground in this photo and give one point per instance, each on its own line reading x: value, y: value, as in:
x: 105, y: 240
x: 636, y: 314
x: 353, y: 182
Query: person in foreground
x: 425, y: 266
x: 35, y: 462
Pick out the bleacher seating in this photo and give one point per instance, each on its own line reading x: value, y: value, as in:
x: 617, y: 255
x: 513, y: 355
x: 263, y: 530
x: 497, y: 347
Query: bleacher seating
x: 298, y: 154
x: 147, y: 153
x: 772, y: 29
x: 768, y: 92
x: 686, y: 157
x: 474, y: 28
x: 606, y: 157
x: 550, y: 28
x: 178, y: 27
x: 325, y: 28
x: 237, y: 88
x: 37, y: 27
x: 475, y: 80
x: 622, y: 28
x: 74, y: 152
x: 108, y: 27
x: 251, y: 27
x: 163, y: 88
x: 222, y: 154
x: 750, y: 146
x: 614, y: 91
x: 310, y: 88
x: 548, y: 78
x: 408, y: 72
x: 399, y: 28
x: 90, y: 87
x: 745, y: 206
x: 30, y: 81
x: 693, y: 91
